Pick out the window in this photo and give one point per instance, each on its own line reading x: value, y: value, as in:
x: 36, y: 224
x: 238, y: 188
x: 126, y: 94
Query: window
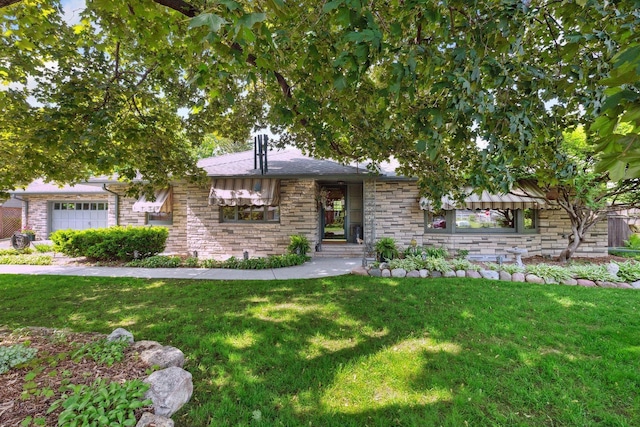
x: 160, y: 218
x: 250, y: 213
x: 482, y: 221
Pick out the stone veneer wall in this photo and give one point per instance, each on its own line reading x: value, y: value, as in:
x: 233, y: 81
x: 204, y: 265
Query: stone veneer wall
x: 214, y: 239
x: 177, y: 240
x: 397, y: 212
x: 398, y: 215
x: 39, y: 210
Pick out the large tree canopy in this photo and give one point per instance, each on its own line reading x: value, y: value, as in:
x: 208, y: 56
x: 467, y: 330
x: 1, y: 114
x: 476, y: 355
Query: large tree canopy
x: 427, y: 82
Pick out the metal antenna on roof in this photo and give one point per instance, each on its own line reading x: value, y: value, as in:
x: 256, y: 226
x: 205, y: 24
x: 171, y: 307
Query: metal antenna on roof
x: 260, y: 153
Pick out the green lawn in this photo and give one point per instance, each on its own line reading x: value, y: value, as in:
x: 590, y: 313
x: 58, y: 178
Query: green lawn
x: 360, y: 351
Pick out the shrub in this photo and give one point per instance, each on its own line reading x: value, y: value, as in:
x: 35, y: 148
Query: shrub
x: 386, y: 248
x: 43, y: 247
x: 433, y: 252
x: 101, y: 403
x: 25, y: 259
x: 436, y: 264
x: 512, y: 268
x: 409, y: 263
x: 629, y: 271
x: 102, y: 351
x: 15, y: 355
x: 156, y: 261
x: 24, y: 251
x: 590, y: 272
x: 192, y: 262
x: 113, y: 243
x: 633, y: 242
x: 299, y: 244
x: 549, y: 272
x: 463, y: 264
x: 273, y: 261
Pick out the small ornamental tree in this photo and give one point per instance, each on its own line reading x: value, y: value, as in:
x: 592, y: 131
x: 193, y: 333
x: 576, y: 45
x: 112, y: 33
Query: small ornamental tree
x: 565, y: 175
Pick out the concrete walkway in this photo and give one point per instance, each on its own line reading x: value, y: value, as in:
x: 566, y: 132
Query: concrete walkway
x: 317, y: 267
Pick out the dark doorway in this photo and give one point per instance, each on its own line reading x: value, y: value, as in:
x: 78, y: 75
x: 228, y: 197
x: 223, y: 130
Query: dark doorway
x: 334, y: 214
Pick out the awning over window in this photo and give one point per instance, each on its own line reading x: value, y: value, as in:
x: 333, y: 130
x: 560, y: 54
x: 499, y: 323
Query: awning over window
x: 162, y: 203
x: 245, y: 192
x: 487, y: 200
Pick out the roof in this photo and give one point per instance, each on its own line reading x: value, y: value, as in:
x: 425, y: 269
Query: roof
x: 40, y: 187
x: 284, y: 163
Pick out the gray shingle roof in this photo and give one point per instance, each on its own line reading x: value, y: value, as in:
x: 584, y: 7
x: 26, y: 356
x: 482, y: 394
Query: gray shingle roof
x: 283, y: 163
x: 40, y: 187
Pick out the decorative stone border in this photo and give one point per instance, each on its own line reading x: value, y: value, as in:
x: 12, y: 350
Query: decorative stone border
x: 169, y: 388
x: 491, y: 275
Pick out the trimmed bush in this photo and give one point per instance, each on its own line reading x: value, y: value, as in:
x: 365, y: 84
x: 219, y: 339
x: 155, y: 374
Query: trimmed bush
x: 111, y: 244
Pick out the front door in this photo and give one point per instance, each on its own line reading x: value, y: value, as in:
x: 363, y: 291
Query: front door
x: 334, y: 211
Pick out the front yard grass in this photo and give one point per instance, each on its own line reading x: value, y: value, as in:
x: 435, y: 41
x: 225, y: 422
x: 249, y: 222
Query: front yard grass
x: 362, y: 351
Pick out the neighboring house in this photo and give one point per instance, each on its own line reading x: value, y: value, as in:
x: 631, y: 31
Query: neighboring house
x: 335, y: 206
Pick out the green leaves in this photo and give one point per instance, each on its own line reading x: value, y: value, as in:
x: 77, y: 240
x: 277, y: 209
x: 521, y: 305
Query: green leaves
x: 211, y: 20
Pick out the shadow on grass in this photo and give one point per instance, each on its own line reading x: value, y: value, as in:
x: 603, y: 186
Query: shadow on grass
x: 351, y: 351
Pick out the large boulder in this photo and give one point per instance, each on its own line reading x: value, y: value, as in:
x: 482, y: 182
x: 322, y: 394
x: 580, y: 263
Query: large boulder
x: 121, y: 334
x: 399, y: 272
x: 586, y: 283
x: 413, y: 273
x: 532, y: 278
x: 424, y: 273
x: 518, y: 277
x: 489, y: 274
x: 360, y: 271
x: 375, y: 272
x: 169, y: 390
x: 163, y: 357
x: 613, y: 269
x: 506, y: 276
x: 385, y: 273
x: 461, y: 273
x: 473, y: 274
x: 150, y: 420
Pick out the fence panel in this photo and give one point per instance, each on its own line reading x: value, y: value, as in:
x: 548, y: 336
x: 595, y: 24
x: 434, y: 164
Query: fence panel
x: 10, y: 221
x: 618, y: 231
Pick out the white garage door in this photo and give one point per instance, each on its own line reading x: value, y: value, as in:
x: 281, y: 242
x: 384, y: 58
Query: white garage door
x: 78, y: 215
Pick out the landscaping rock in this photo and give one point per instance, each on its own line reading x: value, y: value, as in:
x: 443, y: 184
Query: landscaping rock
x: 449, y: 273
x: 413, y: 273
x: 435, y: 274
x: 143, y: 345
x: 636, y: 284
x: 360, y: 271
x: 586, y: 283
x: 121, y: 334
x: 613, y: 269
x: 473, y: 274
x: 399, y: 272
x: 551, y: 281
x: 163, y: 356
x: 503, y: 275
x: 570, y: 282
x: 518, y: 277
x: 424, y: 273
x: 489, y: 274
x: 625, y: 286
x: 385, y: 273
x: 461, y: 273
x: 169, y: 390
x: 375, y: 272
x: 150, y: 420
x: 532, y: 278
x: 606, y: 284
x: 384, y: 265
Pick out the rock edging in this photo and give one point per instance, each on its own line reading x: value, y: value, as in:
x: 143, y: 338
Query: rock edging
x: 170, y: 388
x: 491, y: 275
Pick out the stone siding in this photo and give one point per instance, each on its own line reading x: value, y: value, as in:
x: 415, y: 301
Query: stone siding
x: 398, y: 215
x: 177, y: 240
x: 212, y: 238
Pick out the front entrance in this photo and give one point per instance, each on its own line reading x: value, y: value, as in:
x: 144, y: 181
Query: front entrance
x: 341, y: 219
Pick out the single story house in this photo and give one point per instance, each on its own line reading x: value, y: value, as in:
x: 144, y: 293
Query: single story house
x: 341, y: 209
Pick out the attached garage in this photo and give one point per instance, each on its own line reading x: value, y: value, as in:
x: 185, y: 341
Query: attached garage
x: 78, y: 215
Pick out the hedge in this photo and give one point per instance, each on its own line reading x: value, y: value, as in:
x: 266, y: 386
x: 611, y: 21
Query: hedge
x: 111, y: 244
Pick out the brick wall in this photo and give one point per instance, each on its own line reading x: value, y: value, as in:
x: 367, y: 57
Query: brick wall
x: 214, y: 239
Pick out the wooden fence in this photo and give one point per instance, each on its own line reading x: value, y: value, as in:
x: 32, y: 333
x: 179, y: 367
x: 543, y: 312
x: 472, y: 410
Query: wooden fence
x: 10, y: 221
x: 619, y: 230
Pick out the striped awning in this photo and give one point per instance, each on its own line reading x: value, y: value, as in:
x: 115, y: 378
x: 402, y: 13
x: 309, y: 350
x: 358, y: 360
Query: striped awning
x: 162, y: 203
x: 245, y: 192
x: 487, y: 200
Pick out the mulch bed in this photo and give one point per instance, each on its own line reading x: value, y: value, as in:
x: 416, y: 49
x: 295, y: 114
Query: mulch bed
x: 54, y: 350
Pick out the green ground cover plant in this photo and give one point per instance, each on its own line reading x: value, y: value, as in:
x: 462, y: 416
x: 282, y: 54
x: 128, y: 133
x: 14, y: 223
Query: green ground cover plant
x: 14, y: 355
x: 22, y: 259
x: 356, y: 351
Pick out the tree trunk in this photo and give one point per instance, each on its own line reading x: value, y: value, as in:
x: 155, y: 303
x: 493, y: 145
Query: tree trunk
x: 571, y: 248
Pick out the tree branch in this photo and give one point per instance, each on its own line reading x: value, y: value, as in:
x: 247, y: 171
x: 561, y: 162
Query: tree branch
x: 180, y: 6
x: 5, y: 3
